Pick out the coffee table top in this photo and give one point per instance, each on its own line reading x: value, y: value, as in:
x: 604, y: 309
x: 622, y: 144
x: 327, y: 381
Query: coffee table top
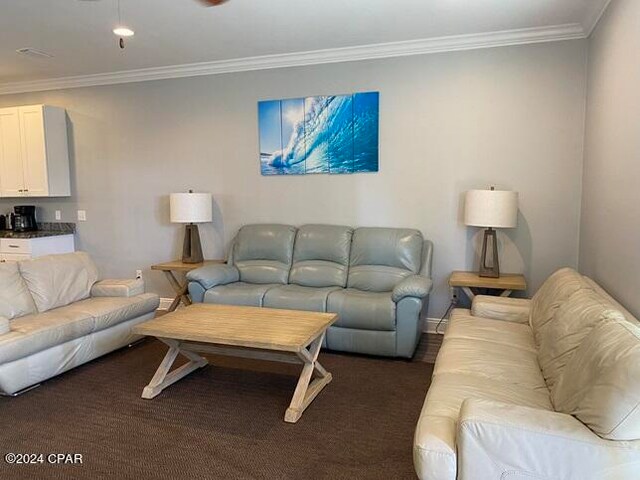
x: 252, y: 327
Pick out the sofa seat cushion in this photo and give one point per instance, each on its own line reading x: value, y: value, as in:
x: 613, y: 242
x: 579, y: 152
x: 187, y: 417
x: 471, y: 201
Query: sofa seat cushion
x: 601, y: 382
x: 110, y: 311
x: 511, y: 364
x: 449, y: 390
x: 296, y: 297
x: 59, y: 280
x: 363, y: 310
x: 33, y: 333
x: 571, y: 323
x: 15, y: 299
x: 238, y: 293
x: 463, y: 325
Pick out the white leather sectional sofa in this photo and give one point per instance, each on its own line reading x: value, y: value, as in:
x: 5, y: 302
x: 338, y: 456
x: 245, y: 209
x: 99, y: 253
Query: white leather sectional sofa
x: 56, y: 315
x: 541, y: 389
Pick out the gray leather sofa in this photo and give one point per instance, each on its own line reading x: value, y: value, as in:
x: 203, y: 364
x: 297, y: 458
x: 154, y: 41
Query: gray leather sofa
x: 55, y: 315
x: 376, y: 279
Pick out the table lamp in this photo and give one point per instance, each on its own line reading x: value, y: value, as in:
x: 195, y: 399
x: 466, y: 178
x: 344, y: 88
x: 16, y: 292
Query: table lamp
x: 191, y: 208
x: 490, y: 209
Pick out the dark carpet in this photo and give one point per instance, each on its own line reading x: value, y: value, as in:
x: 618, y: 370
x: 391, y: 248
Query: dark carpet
x: 221, y: 422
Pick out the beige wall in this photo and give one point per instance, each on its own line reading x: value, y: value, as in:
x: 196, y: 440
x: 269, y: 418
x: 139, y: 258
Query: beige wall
x: 610, y: 227
x: 512, y: 117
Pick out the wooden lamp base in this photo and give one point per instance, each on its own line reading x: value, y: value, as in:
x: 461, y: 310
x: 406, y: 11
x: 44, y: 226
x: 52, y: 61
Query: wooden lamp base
x: 192, y: 248
x: 493, y: 270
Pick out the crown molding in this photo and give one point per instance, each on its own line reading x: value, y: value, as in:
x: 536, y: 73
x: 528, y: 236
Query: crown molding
x: 594, y: 18
x: 315, y: 57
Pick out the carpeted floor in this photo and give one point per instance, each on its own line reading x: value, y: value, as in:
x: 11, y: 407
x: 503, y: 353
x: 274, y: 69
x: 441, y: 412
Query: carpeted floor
x: 222, y: 422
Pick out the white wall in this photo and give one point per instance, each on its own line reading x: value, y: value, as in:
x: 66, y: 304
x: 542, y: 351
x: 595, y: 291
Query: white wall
x: 610, y: 227
x: 511, y: 116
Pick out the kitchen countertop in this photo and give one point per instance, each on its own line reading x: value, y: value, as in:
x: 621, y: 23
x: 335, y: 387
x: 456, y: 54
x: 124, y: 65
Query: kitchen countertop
x: 36, y: 234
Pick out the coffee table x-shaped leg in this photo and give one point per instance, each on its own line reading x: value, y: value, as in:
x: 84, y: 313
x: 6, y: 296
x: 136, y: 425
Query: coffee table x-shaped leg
x: 306, y: 390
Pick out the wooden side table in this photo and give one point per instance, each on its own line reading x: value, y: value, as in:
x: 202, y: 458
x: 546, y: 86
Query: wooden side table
x: 472, y: 284
x: 181, y: 289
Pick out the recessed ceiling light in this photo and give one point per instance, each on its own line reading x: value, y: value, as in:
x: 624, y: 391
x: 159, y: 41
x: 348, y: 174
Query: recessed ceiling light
x: 123, y: 32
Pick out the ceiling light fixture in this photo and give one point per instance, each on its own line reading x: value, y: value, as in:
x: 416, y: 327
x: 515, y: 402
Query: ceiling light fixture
x: 121, y: 30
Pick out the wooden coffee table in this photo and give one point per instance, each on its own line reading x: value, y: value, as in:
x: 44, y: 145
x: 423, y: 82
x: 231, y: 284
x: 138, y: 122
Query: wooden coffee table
x: 262, y: 333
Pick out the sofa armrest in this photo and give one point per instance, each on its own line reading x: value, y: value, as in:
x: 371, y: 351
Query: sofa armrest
x: 499, y: 440
x: 501, y: 308
x: 210, y: 276
x: 118, y: 288
x: 412, y: 286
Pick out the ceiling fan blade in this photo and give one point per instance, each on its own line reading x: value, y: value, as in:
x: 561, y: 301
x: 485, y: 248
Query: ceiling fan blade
x: 212, y: 3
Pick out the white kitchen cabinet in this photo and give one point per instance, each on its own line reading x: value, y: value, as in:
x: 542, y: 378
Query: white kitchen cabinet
x: 34, y: 155
x: 17, y: 249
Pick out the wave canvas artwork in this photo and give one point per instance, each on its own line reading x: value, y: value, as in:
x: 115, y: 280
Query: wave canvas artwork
x: 326, y: 134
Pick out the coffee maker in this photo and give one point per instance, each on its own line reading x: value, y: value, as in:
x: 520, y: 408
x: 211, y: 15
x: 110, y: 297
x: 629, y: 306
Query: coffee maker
x: 24, y: 218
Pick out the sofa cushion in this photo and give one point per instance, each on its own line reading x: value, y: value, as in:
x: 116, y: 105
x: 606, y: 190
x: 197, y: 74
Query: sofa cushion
x: 363, y: 310
x: 463, y: 325
x: 238, y: 293
x: 296, y: 297
x: 571, y: 323
x: 601, y: 383
x: 511, y: 364
x: 381, y: 257
x: 109, y: 311
x: 15, y: 299
x: 263, y: 253
x: 554, y: 291
x: 321, y: 256
x: 59, y: 280
x: 36, y: 332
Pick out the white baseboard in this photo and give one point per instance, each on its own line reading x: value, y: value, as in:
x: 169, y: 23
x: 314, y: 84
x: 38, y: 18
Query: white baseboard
x: 431, y: 324
x: 165, y: 303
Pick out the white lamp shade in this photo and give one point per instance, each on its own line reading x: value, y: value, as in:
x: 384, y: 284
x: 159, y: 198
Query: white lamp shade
x: 190, y: 207
x: 491, y: 208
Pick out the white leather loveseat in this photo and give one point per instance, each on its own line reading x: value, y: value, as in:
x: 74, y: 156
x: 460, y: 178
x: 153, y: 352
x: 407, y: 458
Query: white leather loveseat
x: 56, y: 315
x: 541, y: 389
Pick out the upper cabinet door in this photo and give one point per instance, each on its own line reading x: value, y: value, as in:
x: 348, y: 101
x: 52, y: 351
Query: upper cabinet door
x: 11, y: 169
x: 34, y: 152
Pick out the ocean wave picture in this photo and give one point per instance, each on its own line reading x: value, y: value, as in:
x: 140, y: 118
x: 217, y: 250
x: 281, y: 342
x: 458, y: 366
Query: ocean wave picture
x: 326, y: 134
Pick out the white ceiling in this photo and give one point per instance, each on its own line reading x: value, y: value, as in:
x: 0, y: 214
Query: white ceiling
x: 177, y: 32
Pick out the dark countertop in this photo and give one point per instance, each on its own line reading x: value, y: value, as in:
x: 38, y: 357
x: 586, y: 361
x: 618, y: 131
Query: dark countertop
x: 36, y: 234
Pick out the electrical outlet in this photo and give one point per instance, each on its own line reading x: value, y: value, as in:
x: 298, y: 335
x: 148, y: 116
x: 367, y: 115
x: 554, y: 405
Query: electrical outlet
x: 58, y: 215
x: 138, y: 273
x: 82, y: 215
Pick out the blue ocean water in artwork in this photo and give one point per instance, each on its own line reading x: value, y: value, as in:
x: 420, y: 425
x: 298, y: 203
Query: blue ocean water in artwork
x: 325, y: 134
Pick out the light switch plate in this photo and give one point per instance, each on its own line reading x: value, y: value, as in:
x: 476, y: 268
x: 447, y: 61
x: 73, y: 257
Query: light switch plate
x: 82, y: 215
x: 58, y: 215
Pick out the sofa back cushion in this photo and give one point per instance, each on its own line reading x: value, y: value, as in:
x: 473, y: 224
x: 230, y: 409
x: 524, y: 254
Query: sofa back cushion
x: 572, y: 321
x: 554, y: 291
x: 381, y: 257
x: 263, y: 253
x: 15, y: 299
x: 601, y: 384
x: 59, y: 280
x: 321, y: 256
